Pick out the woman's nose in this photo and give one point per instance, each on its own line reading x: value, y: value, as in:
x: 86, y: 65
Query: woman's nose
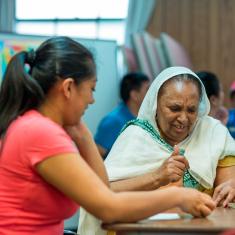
x: 92, y: 101
x: 183, y: 117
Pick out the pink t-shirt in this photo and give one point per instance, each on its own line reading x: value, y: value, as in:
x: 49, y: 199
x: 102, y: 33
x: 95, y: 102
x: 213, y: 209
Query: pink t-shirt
x: 28, y: 204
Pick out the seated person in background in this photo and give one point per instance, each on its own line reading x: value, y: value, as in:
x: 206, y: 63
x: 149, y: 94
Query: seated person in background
x: 133, y: 88
x: 232, y: 96
x: 215, y: 95
x: 172, y: 141
x: 231, y: 117
x: 44, y: 176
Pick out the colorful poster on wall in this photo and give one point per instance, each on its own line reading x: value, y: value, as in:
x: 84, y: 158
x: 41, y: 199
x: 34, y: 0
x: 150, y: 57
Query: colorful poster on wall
x: 9, y: 47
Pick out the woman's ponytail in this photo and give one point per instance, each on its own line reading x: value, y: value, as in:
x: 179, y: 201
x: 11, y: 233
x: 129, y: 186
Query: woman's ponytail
x: 19, y: 92
x: 31, y: 75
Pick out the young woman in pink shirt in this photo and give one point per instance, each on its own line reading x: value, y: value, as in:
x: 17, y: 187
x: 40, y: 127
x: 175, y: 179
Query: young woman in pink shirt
x: 43, y: 175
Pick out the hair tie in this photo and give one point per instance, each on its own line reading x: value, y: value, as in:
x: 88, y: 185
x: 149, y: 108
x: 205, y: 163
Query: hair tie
x: 30, y: 57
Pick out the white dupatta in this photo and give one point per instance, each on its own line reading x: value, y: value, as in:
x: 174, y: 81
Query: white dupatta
x: 136, y: 152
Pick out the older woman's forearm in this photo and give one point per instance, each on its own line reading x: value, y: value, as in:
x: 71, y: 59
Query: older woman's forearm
x: 224, y: 174
x: 145, y: 182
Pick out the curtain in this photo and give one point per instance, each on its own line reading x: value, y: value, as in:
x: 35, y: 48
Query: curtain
x: 7, y: 15
x: 139, y: 13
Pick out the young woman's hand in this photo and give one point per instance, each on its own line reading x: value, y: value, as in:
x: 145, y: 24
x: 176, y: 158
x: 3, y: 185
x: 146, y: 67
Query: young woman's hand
x: 87, y: 148
x: 79, y: 133
x: 196, y: 203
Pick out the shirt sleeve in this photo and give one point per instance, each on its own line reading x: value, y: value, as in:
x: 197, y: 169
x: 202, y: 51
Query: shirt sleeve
x: 229, y: 146
x: 227, y: 161
x: 44, y: 140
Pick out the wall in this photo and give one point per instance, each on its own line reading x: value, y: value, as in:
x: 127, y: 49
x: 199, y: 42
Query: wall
x: 205, y: 28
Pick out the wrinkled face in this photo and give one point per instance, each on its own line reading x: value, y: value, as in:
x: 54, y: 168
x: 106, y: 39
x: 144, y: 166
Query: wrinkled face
x: 177, y: 110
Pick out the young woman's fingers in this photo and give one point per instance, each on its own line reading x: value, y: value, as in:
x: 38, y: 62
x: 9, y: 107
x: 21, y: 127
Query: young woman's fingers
x: 205, y: 211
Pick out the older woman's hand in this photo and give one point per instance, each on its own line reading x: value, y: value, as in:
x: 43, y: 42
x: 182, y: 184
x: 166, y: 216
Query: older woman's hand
x: 173, y: 168
x: 224, y: 193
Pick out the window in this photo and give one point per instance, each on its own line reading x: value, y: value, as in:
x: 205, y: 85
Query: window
x: 100, y: 19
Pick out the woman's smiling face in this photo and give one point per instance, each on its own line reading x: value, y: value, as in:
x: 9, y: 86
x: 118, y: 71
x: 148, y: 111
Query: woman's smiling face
x: 177, y: 109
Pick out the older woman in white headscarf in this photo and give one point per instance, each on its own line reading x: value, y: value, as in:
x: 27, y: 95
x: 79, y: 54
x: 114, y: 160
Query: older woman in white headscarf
x: 172, y: 140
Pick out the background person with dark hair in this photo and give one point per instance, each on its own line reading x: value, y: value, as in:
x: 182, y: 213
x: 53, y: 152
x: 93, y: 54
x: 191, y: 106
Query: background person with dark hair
x: 133, y: 88
x: 231, y: 116
x: 232, y: 95
x: 215, y: 95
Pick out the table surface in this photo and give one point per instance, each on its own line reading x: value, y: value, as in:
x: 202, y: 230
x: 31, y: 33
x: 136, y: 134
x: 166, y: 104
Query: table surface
x: 220, y: 220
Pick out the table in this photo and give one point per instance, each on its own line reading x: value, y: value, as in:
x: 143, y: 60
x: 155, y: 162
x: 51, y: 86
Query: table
x: 220, y: 220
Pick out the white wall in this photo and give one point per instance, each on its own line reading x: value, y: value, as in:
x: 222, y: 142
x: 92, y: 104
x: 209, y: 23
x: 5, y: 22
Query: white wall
x: 107, y: 89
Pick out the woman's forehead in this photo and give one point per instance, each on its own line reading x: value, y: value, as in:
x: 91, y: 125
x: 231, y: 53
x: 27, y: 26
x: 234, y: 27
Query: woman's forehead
x: 178, y: 90
x: 175, y: 85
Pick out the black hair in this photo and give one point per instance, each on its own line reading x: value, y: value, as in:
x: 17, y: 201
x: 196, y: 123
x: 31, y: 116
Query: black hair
x: 232, y: 94
x: 131, y: 81
x: 183, y: 77
x: 57, y: 58
x: 210, y: 82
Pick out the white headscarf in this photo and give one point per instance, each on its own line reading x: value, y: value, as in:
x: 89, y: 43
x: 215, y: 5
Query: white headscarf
x: 135, y: 152
x: 149, y: 105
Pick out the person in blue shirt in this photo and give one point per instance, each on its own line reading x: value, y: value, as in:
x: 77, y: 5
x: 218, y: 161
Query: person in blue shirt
x: 215, y: 95
x: 231, y: 118
x: 133, y: 88
x: 232, y: 95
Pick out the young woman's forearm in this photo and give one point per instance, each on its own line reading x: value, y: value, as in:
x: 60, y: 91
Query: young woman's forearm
x: 70, y: 174
x: 87, y: 148
x: 130, y: 206
x: 91, y: 155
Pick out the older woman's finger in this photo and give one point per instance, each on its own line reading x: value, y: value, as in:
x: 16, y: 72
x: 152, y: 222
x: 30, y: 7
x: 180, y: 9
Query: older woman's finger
x: 217, y: 191
x: 179, y: 173
x: 176, y: 151
x: 181, y: 159
x: 174, y: 163
x: 230, y: 197
x: 223, y: 193
x: 175, y: 178
x: 218, y: 200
